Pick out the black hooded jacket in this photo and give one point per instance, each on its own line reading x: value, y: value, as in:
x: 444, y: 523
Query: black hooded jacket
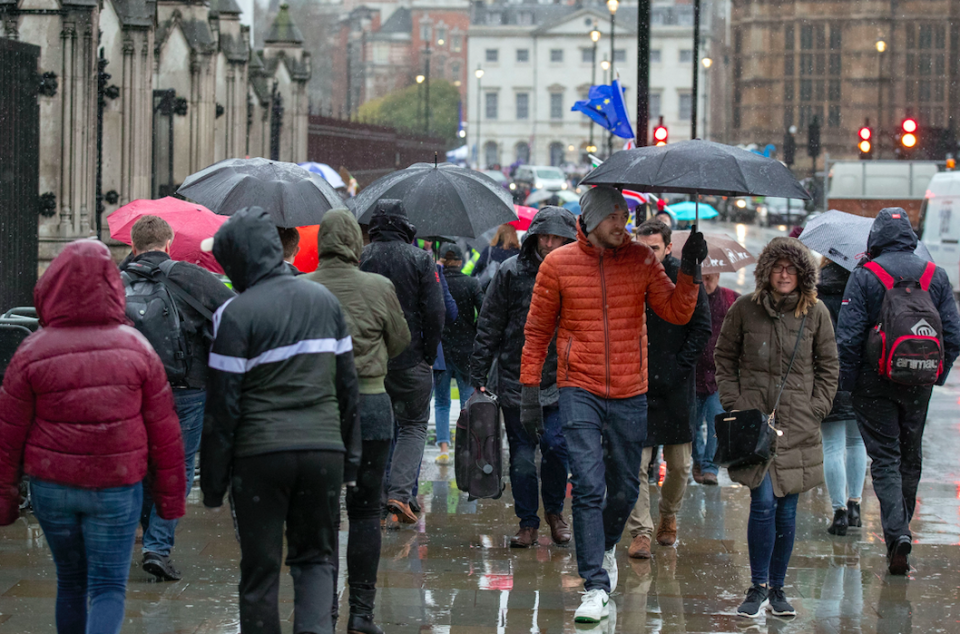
x: 503, y: 316
x: 833, y: 281
x: 414, y: 277
x: 891, y: 244
x: 282, y: 376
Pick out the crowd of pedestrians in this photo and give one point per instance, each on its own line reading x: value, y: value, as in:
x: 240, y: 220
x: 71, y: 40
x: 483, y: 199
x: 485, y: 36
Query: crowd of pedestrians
x: 601, y: 346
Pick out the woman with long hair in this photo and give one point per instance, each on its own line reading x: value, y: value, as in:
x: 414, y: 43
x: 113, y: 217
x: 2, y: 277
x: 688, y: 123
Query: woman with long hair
x: 504, y: 245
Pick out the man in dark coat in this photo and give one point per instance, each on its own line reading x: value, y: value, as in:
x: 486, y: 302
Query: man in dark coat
x: 673, y: 352
x: 891, y: 416
x: 410, y: 376
x: 500, y: 338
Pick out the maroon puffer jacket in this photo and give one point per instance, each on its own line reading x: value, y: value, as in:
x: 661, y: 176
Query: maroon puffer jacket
x: 85, y: 401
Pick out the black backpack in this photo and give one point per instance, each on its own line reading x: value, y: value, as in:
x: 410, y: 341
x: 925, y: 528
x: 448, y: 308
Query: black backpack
x: 906, y: 344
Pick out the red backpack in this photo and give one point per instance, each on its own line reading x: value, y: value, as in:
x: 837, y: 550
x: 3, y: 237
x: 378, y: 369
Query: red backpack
x: 906, y: 344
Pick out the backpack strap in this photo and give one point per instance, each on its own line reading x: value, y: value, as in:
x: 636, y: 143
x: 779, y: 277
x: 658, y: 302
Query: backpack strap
x: 164, y: 269
x: 927, y: 276
x: 885, y: 278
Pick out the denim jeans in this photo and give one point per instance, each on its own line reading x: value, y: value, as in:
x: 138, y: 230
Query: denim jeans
x: 90, y: 533
x: 708, y: 406
x: 409, y: 391
x: 523, y: 466
x: 605, y: 444
x: 157, y: 532
x: 441, y: 397
x: 844, y: 461
x: 771, y: 530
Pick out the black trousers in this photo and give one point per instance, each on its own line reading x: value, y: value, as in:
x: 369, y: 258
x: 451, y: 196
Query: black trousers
x: 891, y: 419
x: 302, y: 490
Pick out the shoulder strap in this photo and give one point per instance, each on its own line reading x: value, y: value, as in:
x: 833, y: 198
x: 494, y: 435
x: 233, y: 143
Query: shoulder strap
x: 927, y: 276
x: 793, y: 358
x: 165, y: 267
x: 885, y: 278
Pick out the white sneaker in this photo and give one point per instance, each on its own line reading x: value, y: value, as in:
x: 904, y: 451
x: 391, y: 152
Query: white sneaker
x: 610, y: 565
x: 593, y: 607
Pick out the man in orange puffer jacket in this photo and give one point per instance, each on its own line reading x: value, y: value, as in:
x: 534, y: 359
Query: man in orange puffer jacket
x: 592, y: 293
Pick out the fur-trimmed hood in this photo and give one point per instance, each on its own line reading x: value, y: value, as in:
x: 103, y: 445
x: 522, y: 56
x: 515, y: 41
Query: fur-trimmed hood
x: 800, y: 256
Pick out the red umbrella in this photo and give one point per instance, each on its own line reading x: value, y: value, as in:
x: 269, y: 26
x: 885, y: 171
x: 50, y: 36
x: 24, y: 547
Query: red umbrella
x: 191, y: 223
x: 525, y: 215
x: 308, y: 258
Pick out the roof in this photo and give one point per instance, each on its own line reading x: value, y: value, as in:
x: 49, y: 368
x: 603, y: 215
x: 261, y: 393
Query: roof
x: 400, y: 22
x: 234, y: 48
x: 196, y: 32
x: 283, y: 30
x: 229, y: 7
x: 134, y: 12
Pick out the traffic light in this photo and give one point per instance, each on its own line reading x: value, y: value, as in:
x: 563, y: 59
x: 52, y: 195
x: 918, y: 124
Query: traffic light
x: 865, y: 143
x: 789, y: 147
x: 813, y: 138
x: 660, y: 134
x: 909, y: 133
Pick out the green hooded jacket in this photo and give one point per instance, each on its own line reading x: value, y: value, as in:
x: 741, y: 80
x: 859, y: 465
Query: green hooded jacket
x: 369, y: 301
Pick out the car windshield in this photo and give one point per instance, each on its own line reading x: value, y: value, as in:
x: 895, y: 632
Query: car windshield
x: 781, y: 203
x: 550, y: 172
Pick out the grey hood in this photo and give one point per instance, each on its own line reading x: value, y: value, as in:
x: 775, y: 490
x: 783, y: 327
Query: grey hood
x: 549, y: 220
x: 891, y: 231
x: 248, y: 248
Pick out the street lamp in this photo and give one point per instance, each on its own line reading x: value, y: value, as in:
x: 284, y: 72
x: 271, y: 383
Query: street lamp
x: 594, y: 37
x: 881, y: 47
x: 612, y: 6
x: 605, y: 65
x: 707, y: 63
x: 420, y: 79
x: 426, y: 99
x: 479, y: 75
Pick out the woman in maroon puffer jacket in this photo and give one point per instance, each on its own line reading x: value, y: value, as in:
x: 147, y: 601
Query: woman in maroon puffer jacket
x: 85, y: 408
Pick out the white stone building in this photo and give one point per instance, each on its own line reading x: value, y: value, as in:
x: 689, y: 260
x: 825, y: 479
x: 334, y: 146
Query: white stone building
x: 537, y: 61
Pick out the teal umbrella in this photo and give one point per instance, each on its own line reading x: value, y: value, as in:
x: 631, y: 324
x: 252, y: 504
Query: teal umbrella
x: 688, y: 211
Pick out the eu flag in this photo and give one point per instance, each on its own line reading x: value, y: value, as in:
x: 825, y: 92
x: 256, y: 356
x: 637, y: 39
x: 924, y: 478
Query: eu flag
x: 605, y: 105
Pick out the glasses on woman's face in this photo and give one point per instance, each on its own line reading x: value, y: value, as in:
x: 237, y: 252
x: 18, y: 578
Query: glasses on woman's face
x: 791, y: 270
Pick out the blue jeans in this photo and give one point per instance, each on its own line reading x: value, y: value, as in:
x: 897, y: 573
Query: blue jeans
x: 708, y: 406
x: 605, y: 444
x: 770, y: 533
x: 523, y: 466
x: 844, y: 461
x: 158, y: 532
x: 90, y: 533
x: 441, y: 397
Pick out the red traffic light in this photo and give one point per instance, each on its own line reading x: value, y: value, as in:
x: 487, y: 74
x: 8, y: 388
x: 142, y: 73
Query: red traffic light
x: 909, y: 125
x: 660, y: 135
x: 865, y: 133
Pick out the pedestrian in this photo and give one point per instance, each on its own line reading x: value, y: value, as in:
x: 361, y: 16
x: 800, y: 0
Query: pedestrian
x: 844, y: 455
x: 379, y: 332
x: 290, y: 239
x: 705, y: 469
x: 754, y: 351
x: 891, y: 416
x: 673, y: 351
x: 282, y: 430
x: 499, y: 344
x: 458, y: 337
x: 504, y: 245
x: 86, y: 412
x: 592, y: 296
x: 152, y: 238
x: 409, y: 379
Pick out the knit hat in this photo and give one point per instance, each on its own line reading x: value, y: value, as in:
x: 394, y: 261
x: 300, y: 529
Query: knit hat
x: 598, y: 203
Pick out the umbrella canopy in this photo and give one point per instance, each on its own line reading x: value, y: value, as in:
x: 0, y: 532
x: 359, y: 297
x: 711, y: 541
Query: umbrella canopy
x: 293, y: 196
x: 525, y: 215
x: 328, y: 173
x: 697, y: 167
x: 542, y: 195
x: 441, y: 200
x: 687, y: 210
x: 191, y: 224
x: 842, y: 238
x: 725, y: 255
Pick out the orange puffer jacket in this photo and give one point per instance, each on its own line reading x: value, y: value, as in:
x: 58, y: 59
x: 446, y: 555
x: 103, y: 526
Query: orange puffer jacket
x: 594, y: 300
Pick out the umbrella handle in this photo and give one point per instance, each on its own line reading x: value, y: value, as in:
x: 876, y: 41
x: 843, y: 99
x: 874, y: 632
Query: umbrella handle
x: 696, y: 212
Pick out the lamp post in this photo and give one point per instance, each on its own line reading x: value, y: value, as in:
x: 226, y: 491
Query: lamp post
x: 479, y: 74
x: 420, y: 79
x: 426, y: 99
x: 881, y: 47
x: 707, y: 63
x: 696, y: 70
x: 594, y: 37
x: 605, y: 65
x: 612, y: 6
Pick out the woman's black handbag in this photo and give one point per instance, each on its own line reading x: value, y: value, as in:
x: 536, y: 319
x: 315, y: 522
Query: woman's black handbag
x: 749, y: 437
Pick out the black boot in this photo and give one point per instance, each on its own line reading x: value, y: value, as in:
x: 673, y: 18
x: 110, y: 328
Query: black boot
x: 839, y: 526
x: 853, y: 515
x: 362, y: 600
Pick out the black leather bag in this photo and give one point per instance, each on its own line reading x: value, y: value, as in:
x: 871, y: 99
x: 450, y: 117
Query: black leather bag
x: 478, y: 457
x: 749, y: 437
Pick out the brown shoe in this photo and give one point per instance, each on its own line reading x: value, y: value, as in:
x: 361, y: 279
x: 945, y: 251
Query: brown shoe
x: 559, y: 529
x: 525, y: 537
x: 710, y: 479
x: 697, y: 474
x: 640, y: 547
x: 404, y: 513
x: 667, y: 530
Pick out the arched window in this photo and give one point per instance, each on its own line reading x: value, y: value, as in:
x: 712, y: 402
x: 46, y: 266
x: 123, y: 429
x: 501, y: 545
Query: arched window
x: 556, y: 153
x: 523, y: 152
x: 490, y: 153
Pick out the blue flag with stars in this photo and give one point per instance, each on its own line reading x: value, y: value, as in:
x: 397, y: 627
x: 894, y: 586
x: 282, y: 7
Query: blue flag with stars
x: 605, y: 105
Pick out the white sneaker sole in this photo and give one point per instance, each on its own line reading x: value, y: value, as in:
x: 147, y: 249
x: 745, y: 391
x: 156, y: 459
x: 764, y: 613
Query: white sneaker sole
x: 589, y: 618
x: 756, y: 614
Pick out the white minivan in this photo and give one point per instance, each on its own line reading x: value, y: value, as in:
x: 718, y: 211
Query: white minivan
x: 940, y: 213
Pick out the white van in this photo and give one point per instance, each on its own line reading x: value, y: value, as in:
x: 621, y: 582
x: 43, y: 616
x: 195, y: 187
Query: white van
x: 940, y: 213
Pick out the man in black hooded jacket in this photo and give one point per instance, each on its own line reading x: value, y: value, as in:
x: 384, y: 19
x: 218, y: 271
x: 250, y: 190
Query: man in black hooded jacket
x: 891, y: 416
x: 409, y: 379
x: 281, y: 425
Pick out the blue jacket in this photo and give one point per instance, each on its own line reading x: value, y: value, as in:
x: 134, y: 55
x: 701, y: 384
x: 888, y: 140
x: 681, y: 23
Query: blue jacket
x: 891, y: 244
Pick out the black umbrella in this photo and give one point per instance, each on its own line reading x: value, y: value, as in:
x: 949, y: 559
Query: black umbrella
x: 441, y: 200
x: 293, y: 196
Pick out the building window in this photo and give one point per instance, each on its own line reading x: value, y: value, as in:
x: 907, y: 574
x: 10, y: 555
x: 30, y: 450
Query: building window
x: 455, y: 70
x: 492, y: 55
x: 491, y: 101
x: 523, y: 54
x: 457, y: 43
x: 787, y: 117
x: 441, y: 35
x: 523, y: 105
x: 620, y: 55
x: 556, y: 154
x: 655, y: 105
x: 686, y: 56
x: 833, y: 116
x: 556, y: 55
x: 788, y: 37
x: 586, y: 55
x: 556, y: 105
x: 655, y: 56
x: 686, y: 106
x: 523, y: 152
x: 490, y: 152
x: 425, y: 32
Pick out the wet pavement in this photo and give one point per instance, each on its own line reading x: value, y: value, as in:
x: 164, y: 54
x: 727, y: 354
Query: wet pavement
x: 454, y: 572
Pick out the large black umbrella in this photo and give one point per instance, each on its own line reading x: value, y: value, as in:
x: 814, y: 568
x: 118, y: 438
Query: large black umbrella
x: 293, y: 196
x: 441, y: 200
